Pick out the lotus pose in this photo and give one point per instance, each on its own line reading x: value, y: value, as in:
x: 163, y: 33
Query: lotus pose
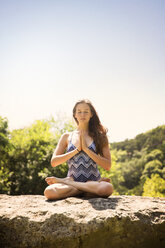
x: 83, y: 148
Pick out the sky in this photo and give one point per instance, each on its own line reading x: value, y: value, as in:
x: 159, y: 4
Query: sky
x: 55, y: 52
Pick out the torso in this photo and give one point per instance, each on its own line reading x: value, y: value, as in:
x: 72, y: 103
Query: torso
x: 81, y: 167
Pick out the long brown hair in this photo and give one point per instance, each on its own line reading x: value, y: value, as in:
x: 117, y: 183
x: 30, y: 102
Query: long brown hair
x: 96, y: 130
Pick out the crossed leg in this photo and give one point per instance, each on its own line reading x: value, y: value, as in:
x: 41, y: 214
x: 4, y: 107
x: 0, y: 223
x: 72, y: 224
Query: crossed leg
x: 65, y: 187
x: 58, y: 191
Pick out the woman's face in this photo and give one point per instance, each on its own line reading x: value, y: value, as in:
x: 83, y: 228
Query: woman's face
x: 83, y: 113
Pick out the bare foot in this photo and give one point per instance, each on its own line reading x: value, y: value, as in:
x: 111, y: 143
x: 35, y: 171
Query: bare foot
x: 105, y: 179
x: 52, y: 180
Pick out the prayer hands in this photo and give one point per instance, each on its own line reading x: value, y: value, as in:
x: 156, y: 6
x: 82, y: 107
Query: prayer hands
x: 81, y: 146
x: 83, y: 142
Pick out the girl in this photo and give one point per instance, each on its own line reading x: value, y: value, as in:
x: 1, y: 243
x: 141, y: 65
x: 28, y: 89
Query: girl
x: 86, y: 147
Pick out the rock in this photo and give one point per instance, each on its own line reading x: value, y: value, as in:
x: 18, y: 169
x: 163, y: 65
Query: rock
x: 115, y: 222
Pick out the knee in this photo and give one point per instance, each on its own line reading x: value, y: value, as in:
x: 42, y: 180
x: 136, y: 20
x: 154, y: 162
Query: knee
x: 47, y: 193
x: 50, y: 193
x: 105, y: 190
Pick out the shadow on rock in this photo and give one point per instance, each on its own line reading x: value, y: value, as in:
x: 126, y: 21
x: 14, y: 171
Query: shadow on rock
x: 103, y: 203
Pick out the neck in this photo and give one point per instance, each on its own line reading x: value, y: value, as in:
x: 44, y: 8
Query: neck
x: 83, y: 127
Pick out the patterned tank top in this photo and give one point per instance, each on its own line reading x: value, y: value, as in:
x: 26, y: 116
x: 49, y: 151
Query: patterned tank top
x: 81, y: 167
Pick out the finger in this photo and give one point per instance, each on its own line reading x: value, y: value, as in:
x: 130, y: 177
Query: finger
x: 80, y: 142
x: 80, y: 137
x: 83, y: 133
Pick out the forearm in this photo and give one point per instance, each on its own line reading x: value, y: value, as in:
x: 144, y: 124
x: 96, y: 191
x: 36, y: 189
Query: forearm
x: 103, y: 162
x: 62, y: 158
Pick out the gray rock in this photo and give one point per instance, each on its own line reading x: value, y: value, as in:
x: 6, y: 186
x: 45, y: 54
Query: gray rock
x: 114, y: 222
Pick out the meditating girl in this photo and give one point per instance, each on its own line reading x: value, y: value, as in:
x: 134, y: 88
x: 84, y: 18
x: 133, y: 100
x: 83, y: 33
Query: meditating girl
x: 83, y: 148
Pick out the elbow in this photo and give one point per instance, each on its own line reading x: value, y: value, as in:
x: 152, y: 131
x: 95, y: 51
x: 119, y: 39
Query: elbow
x: 53, y: 164
x: 55, y: 161
x: 108, y: 166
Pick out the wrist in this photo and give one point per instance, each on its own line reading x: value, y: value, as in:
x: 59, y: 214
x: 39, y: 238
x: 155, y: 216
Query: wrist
x: 85, y: 149
x: 77, y: 150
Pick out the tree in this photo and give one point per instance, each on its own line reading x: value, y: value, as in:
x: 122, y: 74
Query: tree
x: 152, y: 167
x: 4, y: 140
x: 132, y: 171
x: 154, y: 186
x: 31, y: 154
x: 138, y: 159
x: 155, y: 154
x: 5, y: 147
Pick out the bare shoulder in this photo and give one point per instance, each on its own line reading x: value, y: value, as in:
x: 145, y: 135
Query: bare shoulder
x: 64, y: 137
x: 62, y: 144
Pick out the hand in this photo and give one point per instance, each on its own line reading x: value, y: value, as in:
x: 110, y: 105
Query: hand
x: 83, y: 142
x: 79, y: 146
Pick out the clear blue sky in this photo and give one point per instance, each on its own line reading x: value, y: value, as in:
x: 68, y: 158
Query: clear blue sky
x: 53, y: 53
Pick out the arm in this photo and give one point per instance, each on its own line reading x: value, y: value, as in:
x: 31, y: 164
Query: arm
x: 104, y: 161
x: 58, y: 156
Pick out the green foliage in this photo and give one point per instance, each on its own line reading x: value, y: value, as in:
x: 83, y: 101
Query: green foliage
x: 5, y: 183
x: 28, y: 161
x: 138, y: 159
x: 5, y: 147
x: 152, y: 167
x: 151, y: 140
x: 4, y: 141
x: 154, y: 186
x: 32, y: 149
x: 155, y: 154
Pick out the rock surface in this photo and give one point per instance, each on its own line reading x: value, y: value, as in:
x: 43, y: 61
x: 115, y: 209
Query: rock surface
x: 117, y: 221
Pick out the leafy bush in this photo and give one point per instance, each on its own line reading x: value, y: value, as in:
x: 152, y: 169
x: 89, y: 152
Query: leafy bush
x: 28, y: 162
x: 5, y: 147
x: 154, y: 186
